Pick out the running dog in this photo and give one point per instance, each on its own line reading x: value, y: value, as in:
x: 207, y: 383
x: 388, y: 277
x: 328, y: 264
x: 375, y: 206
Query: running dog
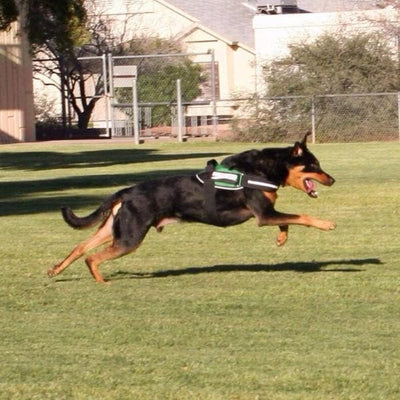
x: 243, y: 186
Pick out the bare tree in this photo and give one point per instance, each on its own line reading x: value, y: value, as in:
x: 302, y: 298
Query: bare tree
x: 386, y: 21
x: 70, y: 75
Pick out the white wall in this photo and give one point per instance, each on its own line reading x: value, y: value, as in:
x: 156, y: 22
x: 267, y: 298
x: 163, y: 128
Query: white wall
x: 273, y: 33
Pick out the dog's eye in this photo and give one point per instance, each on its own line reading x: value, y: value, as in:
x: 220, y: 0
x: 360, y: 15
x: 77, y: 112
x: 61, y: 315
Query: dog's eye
x: 312, y: 167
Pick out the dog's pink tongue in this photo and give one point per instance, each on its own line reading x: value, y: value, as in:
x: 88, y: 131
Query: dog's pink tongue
x: 310, y: 185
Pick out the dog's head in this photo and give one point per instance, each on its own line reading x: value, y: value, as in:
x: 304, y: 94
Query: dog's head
x: 304, y: 169
x: 293, y: 166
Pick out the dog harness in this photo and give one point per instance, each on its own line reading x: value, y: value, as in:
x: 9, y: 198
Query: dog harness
x: 231, y: 179
x: 216, y: 176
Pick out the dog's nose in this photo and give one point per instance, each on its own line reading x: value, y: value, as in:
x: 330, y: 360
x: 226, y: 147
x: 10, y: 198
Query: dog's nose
x: 331, y: 181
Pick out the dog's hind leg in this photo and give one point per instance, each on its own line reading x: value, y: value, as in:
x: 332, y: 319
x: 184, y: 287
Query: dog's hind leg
x: 129, y: 229
x: 117, y: 249
x: 103, y: 235
x: 109, y: 253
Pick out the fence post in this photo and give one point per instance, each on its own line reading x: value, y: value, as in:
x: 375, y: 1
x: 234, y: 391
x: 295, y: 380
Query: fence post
x: 179, y: 106
x: 398, y: 113
x: 135, y: 110
x: 111, y: 92
x: 213, y: 95
x: 313, y: 119
x: 106, y: 95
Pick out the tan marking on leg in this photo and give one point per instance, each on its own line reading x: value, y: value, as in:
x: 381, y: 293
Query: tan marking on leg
x: 166, y: 221
x: 95, y: 260
x: 292, y: 219
x: 271, y: 196
x: 103, y: 235
x: 283, y: 235
x: 109, y: 253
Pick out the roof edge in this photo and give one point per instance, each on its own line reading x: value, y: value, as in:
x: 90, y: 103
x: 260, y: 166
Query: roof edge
x: 177, y: 10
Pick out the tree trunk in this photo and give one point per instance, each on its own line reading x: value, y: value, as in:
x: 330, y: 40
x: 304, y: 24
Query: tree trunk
x: 84, y: 116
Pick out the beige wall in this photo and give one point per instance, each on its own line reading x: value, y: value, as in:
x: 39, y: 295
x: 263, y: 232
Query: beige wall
x: 236, y: 72
x: 158, y: 17
x: 16, y: 92
x: 235, y: 63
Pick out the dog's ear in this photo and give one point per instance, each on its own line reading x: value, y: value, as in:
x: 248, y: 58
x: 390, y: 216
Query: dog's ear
x: 297, y: 150
x: 299, y: 147
x: 304, y: 141
x: 212, y: 163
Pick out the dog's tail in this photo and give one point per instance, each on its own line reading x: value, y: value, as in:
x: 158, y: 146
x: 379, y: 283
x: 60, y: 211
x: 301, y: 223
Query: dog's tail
x: 102, y: 212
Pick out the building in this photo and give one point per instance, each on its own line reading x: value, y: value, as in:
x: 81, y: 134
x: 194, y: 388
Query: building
x: 16, y: 88
x: 274, y: 32
x: 242, y: 34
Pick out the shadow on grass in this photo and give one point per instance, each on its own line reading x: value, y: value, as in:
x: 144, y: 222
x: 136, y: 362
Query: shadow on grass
x: 47, y: 160
x: 46, y: 195
x: 301, y: 266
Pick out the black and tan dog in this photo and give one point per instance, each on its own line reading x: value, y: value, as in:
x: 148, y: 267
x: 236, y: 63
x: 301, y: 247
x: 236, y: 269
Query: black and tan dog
x: 244, y: 186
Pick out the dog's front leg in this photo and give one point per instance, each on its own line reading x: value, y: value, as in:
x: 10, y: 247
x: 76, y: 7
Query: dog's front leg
x: 283, y: 235
x: 281, y: 219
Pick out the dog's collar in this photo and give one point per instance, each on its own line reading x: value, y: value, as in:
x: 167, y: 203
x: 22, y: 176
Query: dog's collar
x: 231, y: 179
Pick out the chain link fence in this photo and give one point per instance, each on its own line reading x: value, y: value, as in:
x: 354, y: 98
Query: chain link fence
x: 169, y: 95
x: 147, y: 100
x: 331, y: 118
x: 357, y: 118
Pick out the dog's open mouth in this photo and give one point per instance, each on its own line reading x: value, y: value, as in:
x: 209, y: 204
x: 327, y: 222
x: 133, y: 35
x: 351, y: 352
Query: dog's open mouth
x: 310, y: 187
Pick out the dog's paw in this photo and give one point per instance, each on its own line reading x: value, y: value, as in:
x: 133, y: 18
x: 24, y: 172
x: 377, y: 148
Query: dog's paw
x: 282, y: 238
x: 52, y: 272
x: 327, y: 225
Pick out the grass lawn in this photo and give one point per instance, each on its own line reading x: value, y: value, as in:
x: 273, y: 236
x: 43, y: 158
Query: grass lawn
x: 200, y: 312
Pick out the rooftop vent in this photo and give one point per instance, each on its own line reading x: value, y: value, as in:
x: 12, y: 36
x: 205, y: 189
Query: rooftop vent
x: 276, y: 6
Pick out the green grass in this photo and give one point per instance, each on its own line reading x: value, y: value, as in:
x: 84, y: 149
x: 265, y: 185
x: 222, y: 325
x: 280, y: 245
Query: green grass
x: 200, y: 312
